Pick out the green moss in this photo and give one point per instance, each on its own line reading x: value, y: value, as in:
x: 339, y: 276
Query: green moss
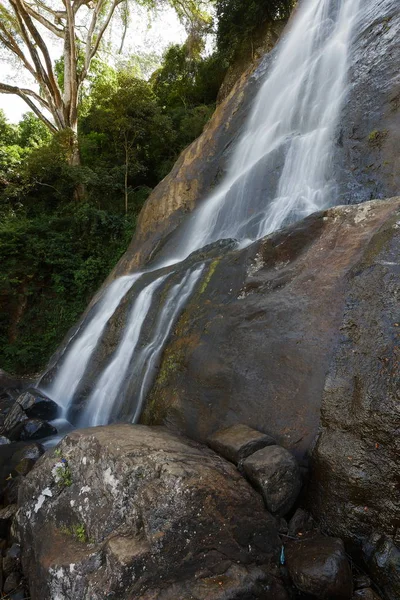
x: 209, y: 275
x: 78, y: 532
x: 171, y: 362
x: 376, y: 137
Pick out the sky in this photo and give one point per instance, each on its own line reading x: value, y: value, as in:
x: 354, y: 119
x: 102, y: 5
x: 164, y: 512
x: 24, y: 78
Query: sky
x: 165, y: 30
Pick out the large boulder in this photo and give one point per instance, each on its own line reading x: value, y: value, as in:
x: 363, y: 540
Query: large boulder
x: 256, y: 339
x: 135, y: 512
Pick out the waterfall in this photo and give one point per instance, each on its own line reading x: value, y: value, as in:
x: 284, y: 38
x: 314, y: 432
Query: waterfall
x: 281, y: 171
x: 80, y: 348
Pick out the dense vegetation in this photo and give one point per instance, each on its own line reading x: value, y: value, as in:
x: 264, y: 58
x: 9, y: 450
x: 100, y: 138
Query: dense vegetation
x: 56, y: 250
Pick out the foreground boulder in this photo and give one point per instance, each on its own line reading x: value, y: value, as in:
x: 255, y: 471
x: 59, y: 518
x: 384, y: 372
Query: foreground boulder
x: 319, y: 566
x: 128, y: 512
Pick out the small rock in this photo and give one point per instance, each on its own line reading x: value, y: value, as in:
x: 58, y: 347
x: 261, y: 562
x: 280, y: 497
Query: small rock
x: 6, y: 516
x: 12, y: 582
x: 14, y: 551
x: 4, y: 440
x: 366, y: 594
x: 10, y: 492
x: 275, y: 472
x: 37, y: 405
x: 33, y: 451
x: 9, y: 565
x: 33, y: 429
x: 13, y: 419
x: 361, y: 581
x: 238, y: 442
x: 24, y: 466
x: 319, y: 566
x: 383, y: 560
x: 18, y: 595
x: 301, y: 523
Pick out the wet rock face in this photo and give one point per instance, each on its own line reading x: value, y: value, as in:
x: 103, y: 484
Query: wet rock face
x: 129, y: 511
x: 367, y: 160
x: 255, y: 341
x: 354, y: 490
x: 319, y: 566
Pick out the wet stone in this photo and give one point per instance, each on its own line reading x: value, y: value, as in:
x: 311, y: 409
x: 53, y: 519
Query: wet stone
x: 12, y: 582
x: 361, y: 581
x: 238, y: 442
x: 382, y: 557
x: 24, y: 466
x: 14, y: 418
x: 33, y: 429
x: 37, y: 405
x: 10, y: 493
x: 301, y: 523
x: 318, y: 566
x: 4, y: 440
x: 276, y: 474
x: 366, y: 594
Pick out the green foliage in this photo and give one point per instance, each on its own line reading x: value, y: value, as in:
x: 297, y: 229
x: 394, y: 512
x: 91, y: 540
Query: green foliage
x: 238, y: 21
x: 76, y: 531
x: 64, y: 476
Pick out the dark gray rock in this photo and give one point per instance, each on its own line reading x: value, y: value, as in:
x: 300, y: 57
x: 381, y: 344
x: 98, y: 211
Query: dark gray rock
x: 366, y: 594
x: 147, y: 515
x: 382, y: 557
x: 12, y: 582
x: 24, y: 466
x: 6, y: 516
x: 319, y: 566
x: 13, y: 419
x: 237, y: 442
x: 32, y: 429
x: 11, y: 488
x: 10, y: 456
x: 301, y: 523
x: 361, y: 581
x: 276, y: 474
x: 37, y: 405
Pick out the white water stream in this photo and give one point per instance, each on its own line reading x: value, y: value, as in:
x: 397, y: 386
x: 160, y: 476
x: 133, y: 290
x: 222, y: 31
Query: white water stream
x: 281, y: 171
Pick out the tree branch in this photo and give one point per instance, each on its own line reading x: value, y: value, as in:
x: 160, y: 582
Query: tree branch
x: 45, y: 22
x: 24, y: 94
x: 104, y: 27
x: 7, y: 39
x: 20, y: 5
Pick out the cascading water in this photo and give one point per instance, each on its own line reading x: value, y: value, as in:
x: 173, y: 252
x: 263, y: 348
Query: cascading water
x: 281, y: 171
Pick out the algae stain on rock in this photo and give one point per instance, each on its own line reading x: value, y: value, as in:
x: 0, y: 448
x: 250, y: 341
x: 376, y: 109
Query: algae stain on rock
x: 207, y: 278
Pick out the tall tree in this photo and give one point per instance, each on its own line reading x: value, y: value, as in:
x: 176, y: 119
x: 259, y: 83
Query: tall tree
x: 27, y: 28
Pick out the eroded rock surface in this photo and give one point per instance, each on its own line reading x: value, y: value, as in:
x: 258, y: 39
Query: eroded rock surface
x: 138, y: 512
